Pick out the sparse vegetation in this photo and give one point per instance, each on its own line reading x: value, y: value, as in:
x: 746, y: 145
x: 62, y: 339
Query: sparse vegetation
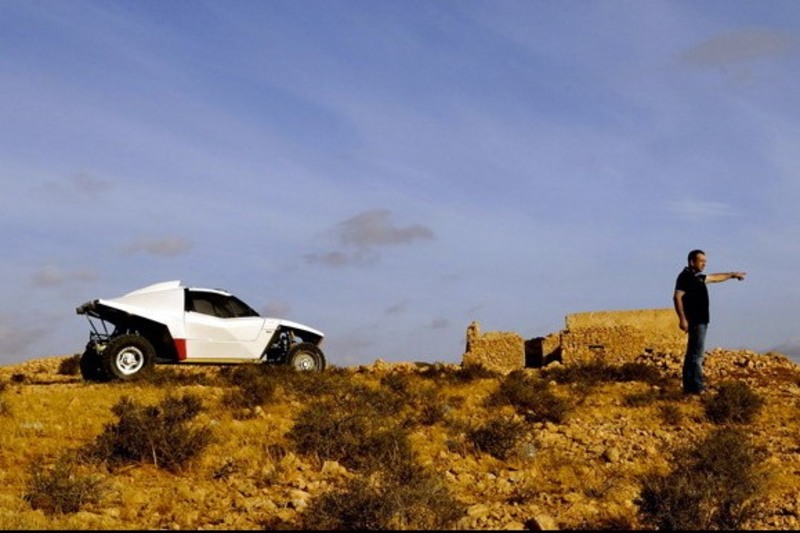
x: 253, y: 386
x: 472, y: 372
x: 5, y: 410
x: 61, y: 488
x: 70, y: 366
x: 592, y: 373
x: 531, y: 397
x: 498, y: 437
x: 734, y: 402
x: 714, y: 485
x: 160, y: 434
x: 164, y: 375
x: 606, y: 522
x: 417, y: 500
x: 406, y: 446
x: 671, y: 414
x: 359, y: 431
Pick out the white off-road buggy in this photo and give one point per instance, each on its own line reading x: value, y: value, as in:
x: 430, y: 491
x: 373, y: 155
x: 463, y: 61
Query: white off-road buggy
x: 169, y: 323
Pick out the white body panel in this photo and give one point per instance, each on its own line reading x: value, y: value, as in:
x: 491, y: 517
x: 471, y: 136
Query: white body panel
x: 162, y: 302
x: 227, y: 338
x: 199, y: 336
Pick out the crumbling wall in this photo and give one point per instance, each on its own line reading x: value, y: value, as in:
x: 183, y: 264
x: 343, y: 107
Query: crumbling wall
x: 541, y: 351
x: 614, y: 337
x: 619, y: 336
x: 500, y: 351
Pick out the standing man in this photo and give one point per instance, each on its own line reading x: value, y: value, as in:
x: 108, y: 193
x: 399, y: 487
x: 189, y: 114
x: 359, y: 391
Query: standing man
x: 691, y: 304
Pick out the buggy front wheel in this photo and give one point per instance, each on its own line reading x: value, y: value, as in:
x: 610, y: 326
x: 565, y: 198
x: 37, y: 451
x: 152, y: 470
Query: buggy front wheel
x: 306, y: 357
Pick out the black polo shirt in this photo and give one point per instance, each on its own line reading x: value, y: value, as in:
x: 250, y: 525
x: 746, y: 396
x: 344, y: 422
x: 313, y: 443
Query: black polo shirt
x: 695, y: 297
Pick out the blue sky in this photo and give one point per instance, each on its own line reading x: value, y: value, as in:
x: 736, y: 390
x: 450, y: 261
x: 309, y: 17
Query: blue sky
x: 389, y: 171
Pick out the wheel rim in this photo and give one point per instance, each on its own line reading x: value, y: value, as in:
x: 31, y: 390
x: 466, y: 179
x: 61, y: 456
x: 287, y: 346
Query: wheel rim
x: 130, y: 360
x: 305, y: 361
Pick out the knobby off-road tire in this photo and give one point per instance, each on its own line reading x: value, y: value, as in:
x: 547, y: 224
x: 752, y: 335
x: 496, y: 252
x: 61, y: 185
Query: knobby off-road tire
x: 91, y: 366
x: 306, y: 357
x: 128, y: 356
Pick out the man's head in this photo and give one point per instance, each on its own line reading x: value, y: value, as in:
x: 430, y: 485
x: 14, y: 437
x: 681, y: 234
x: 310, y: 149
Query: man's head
x: 697, y: 260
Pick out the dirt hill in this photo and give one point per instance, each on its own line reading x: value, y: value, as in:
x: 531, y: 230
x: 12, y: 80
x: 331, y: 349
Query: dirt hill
x: 403, y: 446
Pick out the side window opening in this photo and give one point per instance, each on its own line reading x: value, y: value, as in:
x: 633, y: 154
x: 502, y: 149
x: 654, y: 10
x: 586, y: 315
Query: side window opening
x: 239, y: 308
x: 201, y: 305
x: 218, y: 305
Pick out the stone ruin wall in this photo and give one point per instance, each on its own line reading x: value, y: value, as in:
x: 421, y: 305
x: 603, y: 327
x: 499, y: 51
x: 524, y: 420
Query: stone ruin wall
x: 614, y: 337
x: 618, y: 336
x: 501, y: 351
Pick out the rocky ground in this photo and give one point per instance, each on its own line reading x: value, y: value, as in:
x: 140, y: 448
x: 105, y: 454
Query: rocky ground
x: 581, y: 473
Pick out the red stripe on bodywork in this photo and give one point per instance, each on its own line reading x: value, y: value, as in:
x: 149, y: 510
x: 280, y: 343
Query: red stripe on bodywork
x: 180, y: 347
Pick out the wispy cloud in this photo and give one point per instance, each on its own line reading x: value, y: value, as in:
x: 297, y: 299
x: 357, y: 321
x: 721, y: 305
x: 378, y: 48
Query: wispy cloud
x: 341, y: 259
x: 396, y: 309
x: 81, y: 184
x: 462, y: 150
x: 740, y: 46
x: 358, y: 237
x: 439, y: 323
x: 53, y: 276
x: 160, y: 246
x: 375, y: 228
x: 696, y: 210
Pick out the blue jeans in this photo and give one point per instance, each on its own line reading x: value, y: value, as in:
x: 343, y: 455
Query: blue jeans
x: 693, y: 362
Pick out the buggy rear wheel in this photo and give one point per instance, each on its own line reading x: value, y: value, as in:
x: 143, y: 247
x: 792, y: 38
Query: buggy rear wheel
x: 128, y: 356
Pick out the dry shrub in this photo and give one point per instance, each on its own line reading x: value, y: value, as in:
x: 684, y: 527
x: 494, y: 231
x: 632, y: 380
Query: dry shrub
x: 734, y: 402
x: 436, y: 371
x: 498, y: 438
x: 606, y: 521
x: 365, y: 430
x: 225, y: 470
x: 469, y: 373
x: 670, y: 414
x: 714, y: 485
x: 416, y: 500
x: 585, y: 373
x: 61, y: 489
x: 637, y: 371
x: 442, y: 372
x: 5, y: 409
x: 531, y: 398
x: 70, y: 366
x: 160, y: 434
x: 357, y: 435
x: 257, y: 384
x: 429, y: 407
x: 592, y: 373
x: 298, y: 382
x: 278, y: 469
x: 641, y: 399
x: 171, y: 376
x: 421, y: 402
x: 252, y: 384
x: 398, y: 382
x: 305, y: 385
